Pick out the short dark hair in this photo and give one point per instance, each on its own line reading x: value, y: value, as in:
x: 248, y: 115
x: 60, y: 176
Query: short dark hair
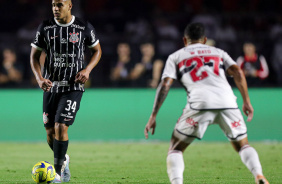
x: 195, y: 31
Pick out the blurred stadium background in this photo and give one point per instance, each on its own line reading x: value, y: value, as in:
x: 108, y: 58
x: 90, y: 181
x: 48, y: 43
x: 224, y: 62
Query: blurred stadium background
x: 117, y: 110
x: 107, y: 109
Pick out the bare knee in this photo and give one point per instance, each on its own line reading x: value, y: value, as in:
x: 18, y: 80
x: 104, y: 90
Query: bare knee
x: 50, y: 132
x: 237, y: 145
x: 61, y: 131
x: 176, y: 144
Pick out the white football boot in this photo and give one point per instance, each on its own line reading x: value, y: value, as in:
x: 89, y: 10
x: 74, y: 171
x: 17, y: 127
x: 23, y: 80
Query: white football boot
x: 57, y: 179
x: 65, y: 172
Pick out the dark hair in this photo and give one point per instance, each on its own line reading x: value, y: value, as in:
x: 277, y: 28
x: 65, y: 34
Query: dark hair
x: 147, y: 41
x: 195, y: 31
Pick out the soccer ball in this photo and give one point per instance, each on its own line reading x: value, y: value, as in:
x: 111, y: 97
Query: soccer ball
x: 43, y: 172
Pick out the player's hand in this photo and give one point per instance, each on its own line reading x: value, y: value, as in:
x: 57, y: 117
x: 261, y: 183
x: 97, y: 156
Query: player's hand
x: 45, y: 84
x: 151, y: 125
x: 82, y: 76
x: 248, y: 110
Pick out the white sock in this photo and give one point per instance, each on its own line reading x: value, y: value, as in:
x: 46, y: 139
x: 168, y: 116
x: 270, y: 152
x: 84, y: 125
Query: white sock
x: 250, y: 158
x: 175, y: 167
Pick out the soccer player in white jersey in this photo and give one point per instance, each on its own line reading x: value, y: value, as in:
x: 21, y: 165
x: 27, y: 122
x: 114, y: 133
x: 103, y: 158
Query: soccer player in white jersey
x: 210, y: 100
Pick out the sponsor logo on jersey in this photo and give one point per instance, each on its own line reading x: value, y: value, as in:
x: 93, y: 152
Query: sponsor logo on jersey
x: 74, y: 37
x: 236, y: 124
x: 191, y: 122
x: 36, y: 37
x: 64, y: 55
x: 78, y: 26
x: 93, y: 37
x: 45, y: 118
x: 63, y: 41
x: 49, y: 27
x: 60, y: 60
x: 64, y: 65
x: 66, y: 116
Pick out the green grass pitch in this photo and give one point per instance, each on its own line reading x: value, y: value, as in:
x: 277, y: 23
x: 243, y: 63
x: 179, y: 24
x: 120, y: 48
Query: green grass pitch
x: 118, y: 163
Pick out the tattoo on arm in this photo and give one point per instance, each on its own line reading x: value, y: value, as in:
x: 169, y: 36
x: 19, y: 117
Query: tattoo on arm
x: 162, y: 92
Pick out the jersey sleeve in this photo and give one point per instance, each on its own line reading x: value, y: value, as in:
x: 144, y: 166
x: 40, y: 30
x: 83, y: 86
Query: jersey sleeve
x: 227, y: 60
x: 263, y: 71
x: 91, y: 38
x: 170, y: 69
x: 240, y: 62
x: 38, y: 41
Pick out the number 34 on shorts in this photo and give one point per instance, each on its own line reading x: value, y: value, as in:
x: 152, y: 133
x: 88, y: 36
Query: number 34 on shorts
x: 61, y: 107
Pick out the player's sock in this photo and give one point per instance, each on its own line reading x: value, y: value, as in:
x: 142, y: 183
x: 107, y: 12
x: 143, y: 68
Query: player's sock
x: 60, y: 149
x: 51, y: 146
x: 250, y: 158
x: 175, y: 166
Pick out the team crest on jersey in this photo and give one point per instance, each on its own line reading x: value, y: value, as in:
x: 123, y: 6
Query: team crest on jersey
x: 74, y: 37
x: 45, y: 118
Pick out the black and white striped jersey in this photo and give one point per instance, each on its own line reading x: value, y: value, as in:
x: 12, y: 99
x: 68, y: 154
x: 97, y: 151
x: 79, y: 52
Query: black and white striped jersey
x: 64, y: 45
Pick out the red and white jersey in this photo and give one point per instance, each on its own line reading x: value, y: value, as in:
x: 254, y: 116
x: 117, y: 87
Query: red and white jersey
x: 201, y: 70
x: 256, y: 62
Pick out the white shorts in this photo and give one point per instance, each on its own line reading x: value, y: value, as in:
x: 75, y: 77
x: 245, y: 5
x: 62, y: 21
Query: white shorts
x: 193, y: 124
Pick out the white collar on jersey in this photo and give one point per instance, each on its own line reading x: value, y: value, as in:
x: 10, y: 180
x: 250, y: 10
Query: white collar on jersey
x: 65, y: 25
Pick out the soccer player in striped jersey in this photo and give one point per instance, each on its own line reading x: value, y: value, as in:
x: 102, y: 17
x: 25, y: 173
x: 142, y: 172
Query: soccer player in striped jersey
x: 63, y: 39
x: 210, y: 100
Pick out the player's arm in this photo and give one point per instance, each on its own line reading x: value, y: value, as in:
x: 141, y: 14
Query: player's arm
x: 157, y: 72
x: 241, y: 83
x: 83, y: 75
x: 161, y: 95
x: 44, y: 84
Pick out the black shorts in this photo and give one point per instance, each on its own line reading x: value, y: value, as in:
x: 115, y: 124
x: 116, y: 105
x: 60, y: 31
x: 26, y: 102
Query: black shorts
x: 60, y: 107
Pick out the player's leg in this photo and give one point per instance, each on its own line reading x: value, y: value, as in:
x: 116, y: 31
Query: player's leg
x: 192, y: 124
x: 60, y: 147
x: 50, y: 131
x: 175, y: 162
x: 68, y: 106
x: 51, y: 138
x: 250, y: 158
x: 49, y: 111
x: 234, y: 127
